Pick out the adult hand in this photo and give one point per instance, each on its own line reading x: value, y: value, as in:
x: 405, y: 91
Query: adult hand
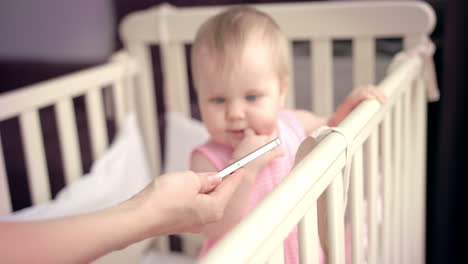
x: 185, y: 201
x: 173, y: 203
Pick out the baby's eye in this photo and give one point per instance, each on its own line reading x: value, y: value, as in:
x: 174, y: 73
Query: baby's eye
x: 218, y: 100
x: 251, y: 98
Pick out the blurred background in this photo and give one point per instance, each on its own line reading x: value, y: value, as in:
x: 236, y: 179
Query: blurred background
x: 45, y: 39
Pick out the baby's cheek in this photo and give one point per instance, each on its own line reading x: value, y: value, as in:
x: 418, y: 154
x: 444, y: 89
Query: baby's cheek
x: 264, y: 126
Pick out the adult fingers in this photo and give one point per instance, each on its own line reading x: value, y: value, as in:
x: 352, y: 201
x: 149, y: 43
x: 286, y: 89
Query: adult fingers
x: 208, y: 181
x: 224, y: 191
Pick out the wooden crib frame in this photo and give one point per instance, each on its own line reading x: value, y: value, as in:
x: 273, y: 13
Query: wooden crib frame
x: 385, y: 142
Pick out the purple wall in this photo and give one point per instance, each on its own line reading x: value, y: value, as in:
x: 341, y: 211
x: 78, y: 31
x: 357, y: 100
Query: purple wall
x: 57, y: 30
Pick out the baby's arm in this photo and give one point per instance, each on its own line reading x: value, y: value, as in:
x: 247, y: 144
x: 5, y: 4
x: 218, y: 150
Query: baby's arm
x: 310, y: 121
x: 354, y: 99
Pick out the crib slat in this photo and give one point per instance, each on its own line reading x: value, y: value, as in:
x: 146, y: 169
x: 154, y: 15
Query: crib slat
x: 278, y: 256
x: 371, y: 172
x: 397, y: 183
x: 308, y: 237
x: 363, y: 61
x: 68, y: 136
x: 146, y: 108
x: 356, y: 201
x: 419, y: 136
x: 291, y: 94
x: 46, y: 93
x: 118, y: 94
x: 322, y: 77
x: 97, y: 122
x: 406, y: 178
x: 335, y: 219
x: 387, y: 190
x: 130, y: 94
x: 31, y: 135
x: 5, y: 201
x: 175, y: 78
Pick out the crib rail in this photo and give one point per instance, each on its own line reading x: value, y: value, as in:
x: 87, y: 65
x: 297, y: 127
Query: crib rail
x: 25, y: 104
x: 375, y: 133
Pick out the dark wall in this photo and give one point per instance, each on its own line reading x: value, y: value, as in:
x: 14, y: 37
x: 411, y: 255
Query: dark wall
x: 447, y: 142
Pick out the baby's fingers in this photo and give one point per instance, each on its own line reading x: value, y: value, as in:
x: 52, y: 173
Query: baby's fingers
x: 380, y: 95
x: 374, y: 92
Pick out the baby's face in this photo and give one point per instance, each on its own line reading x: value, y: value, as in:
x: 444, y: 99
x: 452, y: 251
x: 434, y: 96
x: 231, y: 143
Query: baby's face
x: 249, y: 96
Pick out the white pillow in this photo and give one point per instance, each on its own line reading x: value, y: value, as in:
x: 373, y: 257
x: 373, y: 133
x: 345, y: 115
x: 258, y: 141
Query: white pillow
x: 182, y: 136
x: 120, y: 173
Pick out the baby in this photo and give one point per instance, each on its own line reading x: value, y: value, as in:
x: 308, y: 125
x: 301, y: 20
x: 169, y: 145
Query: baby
x: 240, y: 70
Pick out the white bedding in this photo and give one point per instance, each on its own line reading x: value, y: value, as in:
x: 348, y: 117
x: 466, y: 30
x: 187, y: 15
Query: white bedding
x: 121, y: 172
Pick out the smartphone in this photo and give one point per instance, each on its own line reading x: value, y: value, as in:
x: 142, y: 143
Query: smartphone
x: 248, y: 158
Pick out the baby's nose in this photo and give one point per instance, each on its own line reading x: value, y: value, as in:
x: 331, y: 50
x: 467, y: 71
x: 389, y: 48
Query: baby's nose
x: 235, y: 111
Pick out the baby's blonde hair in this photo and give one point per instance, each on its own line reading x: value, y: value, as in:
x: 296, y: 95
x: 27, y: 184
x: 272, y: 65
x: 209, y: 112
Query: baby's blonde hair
x: 225, y: 35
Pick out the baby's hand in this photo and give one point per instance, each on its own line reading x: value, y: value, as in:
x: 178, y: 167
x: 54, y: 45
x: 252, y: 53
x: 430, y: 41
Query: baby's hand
x: 354, y: 99
x: 251, y: 142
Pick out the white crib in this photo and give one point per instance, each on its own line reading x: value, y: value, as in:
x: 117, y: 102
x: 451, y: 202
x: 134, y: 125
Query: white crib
x: 384, y: 146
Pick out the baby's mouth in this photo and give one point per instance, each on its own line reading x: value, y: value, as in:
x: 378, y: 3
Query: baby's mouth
x: 236, y: 133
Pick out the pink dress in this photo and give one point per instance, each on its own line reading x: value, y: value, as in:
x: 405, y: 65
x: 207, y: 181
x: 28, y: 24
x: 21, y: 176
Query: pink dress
x: 291, y: 134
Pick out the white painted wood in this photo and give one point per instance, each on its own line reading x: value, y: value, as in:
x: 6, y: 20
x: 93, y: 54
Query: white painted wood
x: 124, y: 85
x: 146, y: 107
x: 356, y: 204
x: 291, y: 92
x: 371, y: 154
x: 148, y: 119
x: 130, y: 94
x: 397, y: 143
x: 5, y: 200
x: 407, y: 185
x: 335, y: 218
x: 308, y: 237
x: 322, y: 77
x: 120, y: 107
x: 419, y: 110
x: 46, y: 93
x: 96, y: 122
x: 69, y: 143
x: 297, y: 20
x: 363, y: 61
x: 175, y: 84
x: 36, y: 165
x: 174, y: 66
x: 387, y: 190
x: 278, y: 256
x: 419, y: 226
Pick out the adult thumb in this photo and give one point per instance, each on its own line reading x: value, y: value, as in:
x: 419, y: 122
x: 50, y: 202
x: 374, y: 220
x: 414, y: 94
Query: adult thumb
x: 208, y: 181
